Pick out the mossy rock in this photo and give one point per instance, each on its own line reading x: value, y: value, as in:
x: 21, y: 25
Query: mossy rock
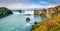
x: 27, y: 19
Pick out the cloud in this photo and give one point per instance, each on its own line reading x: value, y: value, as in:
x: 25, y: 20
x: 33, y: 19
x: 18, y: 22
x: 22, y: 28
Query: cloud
x: 25, y: 4
x: 14, y: 1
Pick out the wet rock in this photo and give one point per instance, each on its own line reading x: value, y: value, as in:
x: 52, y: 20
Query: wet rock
x: 27, y: 19
x: 35, y: 23
x: 28, y: 14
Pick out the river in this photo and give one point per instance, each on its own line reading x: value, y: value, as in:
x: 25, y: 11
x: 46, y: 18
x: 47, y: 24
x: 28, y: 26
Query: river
x: 17, y: 22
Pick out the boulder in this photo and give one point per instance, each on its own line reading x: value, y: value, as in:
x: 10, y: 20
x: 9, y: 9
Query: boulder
x: 27, y: 19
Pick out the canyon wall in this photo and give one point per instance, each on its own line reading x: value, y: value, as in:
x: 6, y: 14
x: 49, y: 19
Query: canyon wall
x: 50, y: 12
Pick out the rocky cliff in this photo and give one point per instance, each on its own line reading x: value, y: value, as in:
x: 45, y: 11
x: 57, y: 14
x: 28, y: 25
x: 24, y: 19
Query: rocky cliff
x: 49, y: 24
x: 4, y: 12
x: 50, y: 12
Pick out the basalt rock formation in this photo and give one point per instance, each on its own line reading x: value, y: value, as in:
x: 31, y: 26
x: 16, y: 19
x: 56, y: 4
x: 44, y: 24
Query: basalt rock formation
x: 4, y: 12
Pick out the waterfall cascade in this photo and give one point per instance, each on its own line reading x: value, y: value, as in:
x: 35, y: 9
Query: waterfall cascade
x: 23, y: 12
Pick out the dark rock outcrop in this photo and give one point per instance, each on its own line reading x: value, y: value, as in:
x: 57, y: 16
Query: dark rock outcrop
x: 27, y: 19
x: 4, y: 12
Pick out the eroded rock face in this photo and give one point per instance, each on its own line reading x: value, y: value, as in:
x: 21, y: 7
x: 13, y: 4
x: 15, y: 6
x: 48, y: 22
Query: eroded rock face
x: 49, y: 13
x: 4, y: 12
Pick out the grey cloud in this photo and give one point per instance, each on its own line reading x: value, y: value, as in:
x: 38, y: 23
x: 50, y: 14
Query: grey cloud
x: 14, y: 1
x: 23, y: 4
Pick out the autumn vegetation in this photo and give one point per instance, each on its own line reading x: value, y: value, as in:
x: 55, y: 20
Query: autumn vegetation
x: 50, y: 24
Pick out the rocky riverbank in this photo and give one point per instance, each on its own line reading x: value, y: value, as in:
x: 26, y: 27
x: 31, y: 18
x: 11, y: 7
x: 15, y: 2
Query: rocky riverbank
x: 4, y: 12
x: 48, y: 25
x: 52, y: 23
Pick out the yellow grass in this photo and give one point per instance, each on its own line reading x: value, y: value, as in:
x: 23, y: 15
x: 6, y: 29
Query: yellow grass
x: 49, y: 25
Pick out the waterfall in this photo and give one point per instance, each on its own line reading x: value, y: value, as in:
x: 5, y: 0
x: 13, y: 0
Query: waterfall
x: 15, y: 13
x: 23, y: 12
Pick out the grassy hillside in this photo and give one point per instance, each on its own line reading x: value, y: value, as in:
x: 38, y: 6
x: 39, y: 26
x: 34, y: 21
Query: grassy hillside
x: 49, y: 25
x: 52, y: 23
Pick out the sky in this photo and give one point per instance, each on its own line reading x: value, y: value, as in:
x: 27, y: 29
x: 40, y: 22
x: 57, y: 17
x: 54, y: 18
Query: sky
x: 28, y: 4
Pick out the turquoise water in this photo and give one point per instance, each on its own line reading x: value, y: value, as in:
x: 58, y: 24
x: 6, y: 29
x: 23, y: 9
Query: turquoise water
x: 17, y: 22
